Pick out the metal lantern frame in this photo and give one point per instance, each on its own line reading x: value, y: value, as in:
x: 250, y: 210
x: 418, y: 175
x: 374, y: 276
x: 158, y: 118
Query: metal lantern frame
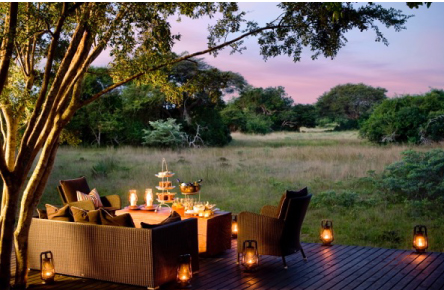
x: 184, y: 267
x: 47, y: 259
x: 326, y: 224
x: 234, y: 227
x: 249, y: 247
x: 420, y: 231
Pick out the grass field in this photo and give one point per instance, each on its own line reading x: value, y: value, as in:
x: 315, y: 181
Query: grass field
x: 255, y: 170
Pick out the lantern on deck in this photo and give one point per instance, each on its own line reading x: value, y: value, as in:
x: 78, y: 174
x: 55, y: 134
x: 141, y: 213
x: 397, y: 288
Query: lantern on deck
x: 420, y: 239
x: 47, y: 267
x: 326, y: 233
x: 149, y: 197
x: 133, y: 198
x: 250, y: 256
x: 234, y: 227
x: 184, y: 271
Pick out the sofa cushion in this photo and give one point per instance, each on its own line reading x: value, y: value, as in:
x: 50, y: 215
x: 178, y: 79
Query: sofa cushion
x: 71, y: 186
x: 93, y: 196
x: 94, y: 217
x: 58, y: 214
x: 285, y: 199
x: 85, y: 216
x: 42, y: 213
x: 174, y: 217
x: 124, y: 220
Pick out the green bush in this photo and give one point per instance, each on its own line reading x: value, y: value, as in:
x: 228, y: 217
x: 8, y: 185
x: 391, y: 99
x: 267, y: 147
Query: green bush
x: 257, y: 124
x: 330, y: 198
x: 104, y: 167
x: 418, y: 176
x: 165, y: 134
x: 412, y: 119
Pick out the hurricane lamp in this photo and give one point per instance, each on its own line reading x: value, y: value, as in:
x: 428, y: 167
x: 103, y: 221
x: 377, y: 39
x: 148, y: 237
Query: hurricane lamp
x: 234, y: 227
x: 250, y: 255
x: 133, y: 197
x: 149, y: 197
x: 47, y: 267
x: 184, y: 271
x: 326, y: 232
x: 420, y: 239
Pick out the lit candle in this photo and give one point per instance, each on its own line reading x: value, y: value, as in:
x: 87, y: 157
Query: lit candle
x: 149, y: 197
x: 326, y: 235
x: 133, y: 197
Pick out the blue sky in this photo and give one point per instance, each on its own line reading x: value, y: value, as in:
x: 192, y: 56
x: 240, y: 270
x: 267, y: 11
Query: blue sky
x: 411, y: 64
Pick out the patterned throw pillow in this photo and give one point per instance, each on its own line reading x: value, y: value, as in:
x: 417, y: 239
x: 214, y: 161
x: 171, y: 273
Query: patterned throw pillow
x: 93, y: 195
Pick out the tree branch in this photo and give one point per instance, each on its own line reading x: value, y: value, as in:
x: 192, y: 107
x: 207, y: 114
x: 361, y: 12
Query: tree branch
x: 186, y: 57
x: 8, y: 43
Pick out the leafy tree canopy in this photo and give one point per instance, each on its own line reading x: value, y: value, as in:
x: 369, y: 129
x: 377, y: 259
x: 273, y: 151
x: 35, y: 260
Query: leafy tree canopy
x: 349, y: 103
x: 414, y: 119
x: 52, y: 45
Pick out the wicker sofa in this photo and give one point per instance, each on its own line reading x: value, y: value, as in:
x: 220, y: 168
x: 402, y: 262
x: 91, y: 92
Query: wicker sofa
x: 142, y: 257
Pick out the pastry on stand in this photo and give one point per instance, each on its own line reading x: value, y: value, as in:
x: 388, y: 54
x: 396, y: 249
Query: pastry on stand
x: 165, y: 196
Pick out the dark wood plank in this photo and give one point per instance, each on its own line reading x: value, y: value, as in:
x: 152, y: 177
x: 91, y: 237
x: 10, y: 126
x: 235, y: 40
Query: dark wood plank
x: 271, y: 272
x: 390, y: 266
x: 353, y: 281
x: 423, y: 277
x: 326, y: 255
x: 419, y: 268
x: 314, y: 257
x: 397, y: 272
x: 334, y: 268
x: 351, y: 268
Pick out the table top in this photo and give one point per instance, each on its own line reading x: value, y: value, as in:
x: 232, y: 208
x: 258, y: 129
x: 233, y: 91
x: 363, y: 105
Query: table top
x: 165, y: 211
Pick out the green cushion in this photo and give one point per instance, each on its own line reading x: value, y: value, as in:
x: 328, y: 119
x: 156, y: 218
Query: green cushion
x: 58, y: 214
x: 174, y: 217
x: 124, y: 220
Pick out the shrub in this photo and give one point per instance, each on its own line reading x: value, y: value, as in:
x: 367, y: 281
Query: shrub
x: 329, y: 198
x: 164, y: 134
x: 412, y: 119
x: 257, y: 124
x: 104, y: 167
x: 418, y: 176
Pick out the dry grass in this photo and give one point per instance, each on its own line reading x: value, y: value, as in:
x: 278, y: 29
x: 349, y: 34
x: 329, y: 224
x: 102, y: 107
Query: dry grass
x: 251, y: 172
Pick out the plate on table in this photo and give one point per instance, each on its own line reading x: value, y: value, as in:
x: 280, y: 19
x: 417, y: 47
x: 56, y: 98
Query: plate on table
x: 149, y: 208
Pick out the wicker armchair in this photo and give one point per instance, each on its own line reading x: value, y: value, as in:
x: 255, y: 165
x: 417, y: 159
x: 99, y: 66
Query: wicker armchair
x: 275, y: 236
x: 68, y: 188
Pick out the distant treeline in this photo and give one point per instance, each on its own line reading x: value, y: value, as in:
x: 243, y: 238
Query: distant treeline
x: 143, y: 115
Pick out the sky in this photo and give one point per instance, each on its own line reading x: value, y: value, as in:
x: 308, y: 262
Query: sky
x: 413, y: 63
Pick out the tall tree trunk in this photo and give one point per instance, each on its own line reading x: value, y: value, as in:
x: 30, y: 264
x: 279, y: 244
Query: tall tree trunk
x: 31, y: 198
x: 7, y: 223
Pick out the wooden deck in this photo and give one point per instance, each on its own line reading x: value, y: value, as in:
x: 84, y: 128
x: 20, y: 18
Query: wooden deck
x: 335, y: 267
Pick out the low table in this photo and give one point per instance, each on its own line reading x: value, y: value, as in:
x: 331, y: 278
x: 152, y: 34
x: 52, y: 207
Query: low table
x: 214, y: 233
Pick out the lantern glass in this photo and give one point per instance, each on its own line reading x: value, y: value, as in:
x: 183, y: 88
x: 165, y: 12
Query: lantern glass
x: 326, y: 232
x: 133, y: 197
x: 47, y: 267
x: 234, y: 227
x: 420, y: 239
x: 149, y: 197
x: 250, y: 256
x: 184, y: 271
